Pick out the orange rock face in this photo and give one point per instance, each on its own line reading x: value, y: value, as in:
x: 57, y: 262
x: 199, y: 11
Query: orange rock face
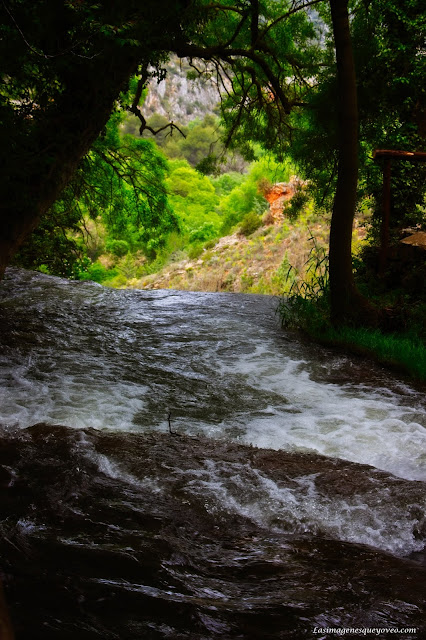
x: 278, y: 195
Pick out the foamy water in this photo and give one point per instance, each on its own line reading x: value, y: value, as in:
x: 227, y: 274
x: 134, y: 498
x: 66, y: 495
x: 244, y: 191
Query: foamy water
x: 374, y: 518
x: 149, y: 513
x: 217, y: 364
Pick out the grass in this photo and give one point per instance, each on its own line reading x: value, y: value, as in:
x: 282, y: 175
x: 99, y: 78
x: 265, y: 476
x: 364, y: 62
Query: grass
x: 307, y: 308
x: 404, y: 351
x: 397, y: 350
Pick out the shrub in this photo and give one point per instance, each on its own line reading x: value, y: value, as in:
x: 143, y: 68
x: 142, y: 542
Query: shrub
x: 210, y: 243
x: 195, y: 251
x: 225, y: 183
x: 297, y: 203
x: 118, y: 248
x: 205, y: 232
x: 97, y: 273
x: 249, y: 224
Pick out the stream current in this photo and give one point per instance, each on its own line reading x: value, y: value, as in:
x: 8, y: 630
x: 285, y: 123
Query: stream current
x: 175, y: 465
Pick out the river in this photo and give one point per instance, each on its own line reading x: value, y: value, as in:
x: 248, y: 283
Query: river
x: 175, y: 465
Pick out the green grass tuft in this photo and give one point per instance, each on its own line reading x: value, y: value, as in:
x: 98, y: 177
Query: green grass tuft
x: 404, y: 351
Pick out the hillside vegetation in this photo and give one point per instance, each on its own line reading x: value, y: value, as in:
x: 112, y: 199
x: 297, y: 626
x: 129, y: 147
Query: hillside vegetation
x: 190, y: 216
x: 270, y: 260
x: 222, y: 235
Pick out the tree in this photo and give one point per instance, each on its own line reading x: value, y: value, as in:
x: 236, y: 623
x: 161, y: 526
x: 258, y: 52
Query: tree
x: 345, y: 300
x: 388, y: 46
x: 193, y: 199
x: 260, y: 55
x: 64, y: 65
x: 262, y: 100
x: 125, y: 186
x: 389, y: 39
x: 60, y: 82
x: 264, y: 55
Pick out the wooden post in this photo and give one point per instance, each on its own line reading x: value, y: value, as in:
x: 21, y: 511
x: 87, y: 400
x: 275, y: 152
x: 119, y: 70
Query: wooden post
x: 384, y: 232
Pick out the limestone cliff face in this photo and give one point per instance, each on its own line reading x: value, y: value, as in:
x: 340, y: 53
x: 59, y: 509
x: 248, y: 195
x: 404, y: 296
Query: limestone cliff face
x: 179, y: 98
x: 279, y: 194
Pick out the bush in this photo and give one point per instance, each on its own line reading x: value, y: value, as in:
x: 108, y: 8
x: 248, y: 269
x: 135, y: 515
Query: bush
x: 225, y: 183
x: 203, y: 233
x: 242, y: 200
x: 297, y: 203
x: 118, y: 248
x: 249, y: 224
x: 209, y: 165
x: 97, y: 273
x: 210, y: 243
x: 195, y: 251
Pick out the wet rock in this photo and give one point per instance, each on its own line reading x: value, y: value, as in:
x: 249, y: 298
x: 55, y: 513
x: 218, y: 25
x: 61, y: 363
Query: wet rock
x: 151, y: 535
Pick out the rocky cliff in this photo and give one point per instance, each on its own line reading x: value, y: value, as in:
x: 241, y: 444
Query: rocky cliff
x: 180, y: 98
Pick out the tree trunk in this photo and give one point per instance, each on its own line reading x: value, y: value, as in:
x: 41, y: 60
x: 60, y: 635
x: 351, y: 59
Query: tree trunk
x: 347, y: 304
x: 58, y: 143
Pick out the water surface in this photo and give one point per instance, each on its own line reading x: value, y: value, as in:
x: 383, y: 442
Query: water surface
x: 212, y: 476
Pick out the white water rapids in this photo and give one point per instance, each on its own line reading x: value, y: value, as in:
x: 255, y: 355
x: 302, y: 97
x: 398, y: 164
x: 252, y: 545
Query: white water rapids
x: 220, y: 366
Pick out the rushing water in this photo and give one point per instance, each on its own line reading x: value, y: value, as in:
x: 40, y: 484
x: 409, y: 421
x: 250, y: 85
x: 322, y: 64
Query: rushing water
x: 174, y: 465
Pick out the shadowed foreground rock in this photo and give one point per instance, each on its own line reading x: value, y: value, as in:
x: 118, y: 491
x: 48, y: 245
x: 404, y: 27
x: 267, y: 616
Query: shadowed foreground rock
x: 124, y: 536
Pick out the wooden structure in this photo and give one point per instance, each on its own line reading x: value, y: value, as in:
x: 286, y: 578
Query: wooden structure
x: 388, y: 155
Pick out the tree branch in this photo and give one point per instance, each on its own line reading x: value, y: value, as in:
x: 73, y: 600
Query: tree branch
x: 254, y: 22
x: 224, y: 7
x: 184, y: 50
x: 135, y: 109
x: 41, y: 54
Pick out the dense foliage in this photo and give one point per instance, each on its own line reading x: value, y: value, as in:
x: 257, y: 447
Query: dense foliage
x: 389, y: 47
x: 63, y: 67
x: 120, y: 182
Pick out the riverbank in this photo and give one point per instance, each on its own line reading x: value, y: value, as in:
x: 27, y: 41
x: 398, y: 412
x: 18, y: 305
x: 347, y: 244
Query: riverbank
x: 271, y: 261
x: 403, y: 352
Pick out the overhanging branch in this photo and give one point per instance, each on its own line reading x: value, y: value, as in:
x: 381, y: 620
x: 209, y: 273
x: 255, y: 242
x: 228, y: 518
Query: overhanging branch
x: 135, y: 109
x: 186, y: 50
